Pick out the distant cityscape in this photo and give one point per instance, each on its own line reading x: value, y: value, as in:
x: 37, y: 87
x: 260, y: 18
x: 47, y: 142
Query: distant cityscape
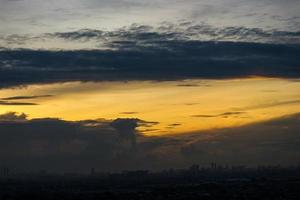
x: 213, y: 170
x: 195, y: 182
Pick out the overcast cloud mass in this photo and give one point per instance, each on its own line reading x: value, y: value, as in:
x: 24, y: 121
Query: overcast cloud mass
x: 59, y: 145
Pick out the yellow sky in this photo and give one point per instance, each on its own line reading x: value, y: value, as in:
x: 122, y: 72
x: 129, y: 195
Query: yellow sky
x: 178, y: 106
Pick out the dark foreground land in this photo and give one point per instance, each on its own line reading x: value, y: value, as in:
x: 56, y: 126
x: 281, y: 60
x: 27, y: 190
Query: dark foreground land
x: 206, y: 184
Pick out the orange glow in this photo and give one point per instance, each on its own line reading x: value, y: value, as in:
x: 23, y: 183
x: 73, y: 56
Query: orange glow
x: 178, y: 106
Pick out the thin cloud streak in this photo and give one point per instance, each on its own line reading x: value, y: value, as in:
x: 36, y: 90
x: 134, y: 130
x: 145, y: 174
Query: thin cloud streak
x: 25, y: 97
x: 10, y: 103
x: 225, y: 114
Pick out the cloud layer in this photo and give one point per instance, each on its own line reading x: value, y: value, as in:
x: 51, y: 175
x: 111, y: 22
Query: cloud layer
x: 146, y: 35
x: 59, y: 145
x: 55, y: 142
x: 141, y: 52
x: 164, y: 61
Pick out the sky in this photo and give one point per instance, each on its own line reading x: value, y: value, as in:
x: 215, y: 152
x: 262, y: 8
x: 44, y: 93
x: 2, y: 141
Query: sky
x: 35, y: 16
x: 130, y: 84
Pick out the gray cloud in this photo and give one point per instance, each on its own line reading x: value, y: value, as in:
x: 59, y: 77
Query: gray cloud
x: 145, y: 35
x: 24, y: 97
x: 224, y: 115
x: 139, y: 35
x: 183, y: 30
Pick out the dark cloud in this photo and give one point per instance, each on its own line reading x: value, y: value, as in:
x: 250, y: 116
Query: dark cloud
x: 13, y: 116
x: 188, y: 85
x: 225, y: 115
x: 205, y: 116
x: 129, y: 113
x: 164, y: 60
x: 126, y: 129
x: 175, y: 124
x: 10, y: 103
x: 56, y: 144
x: 272, y: 142
x: 24, y: 97
x: 172, y: 126
x: 14, y: 100
x: 232, y: 113
x: 82, y: 35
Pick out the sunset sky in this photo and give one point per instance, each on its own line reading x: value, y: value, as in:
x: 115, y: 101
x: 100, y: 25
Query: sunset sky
x: 128, y: 84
